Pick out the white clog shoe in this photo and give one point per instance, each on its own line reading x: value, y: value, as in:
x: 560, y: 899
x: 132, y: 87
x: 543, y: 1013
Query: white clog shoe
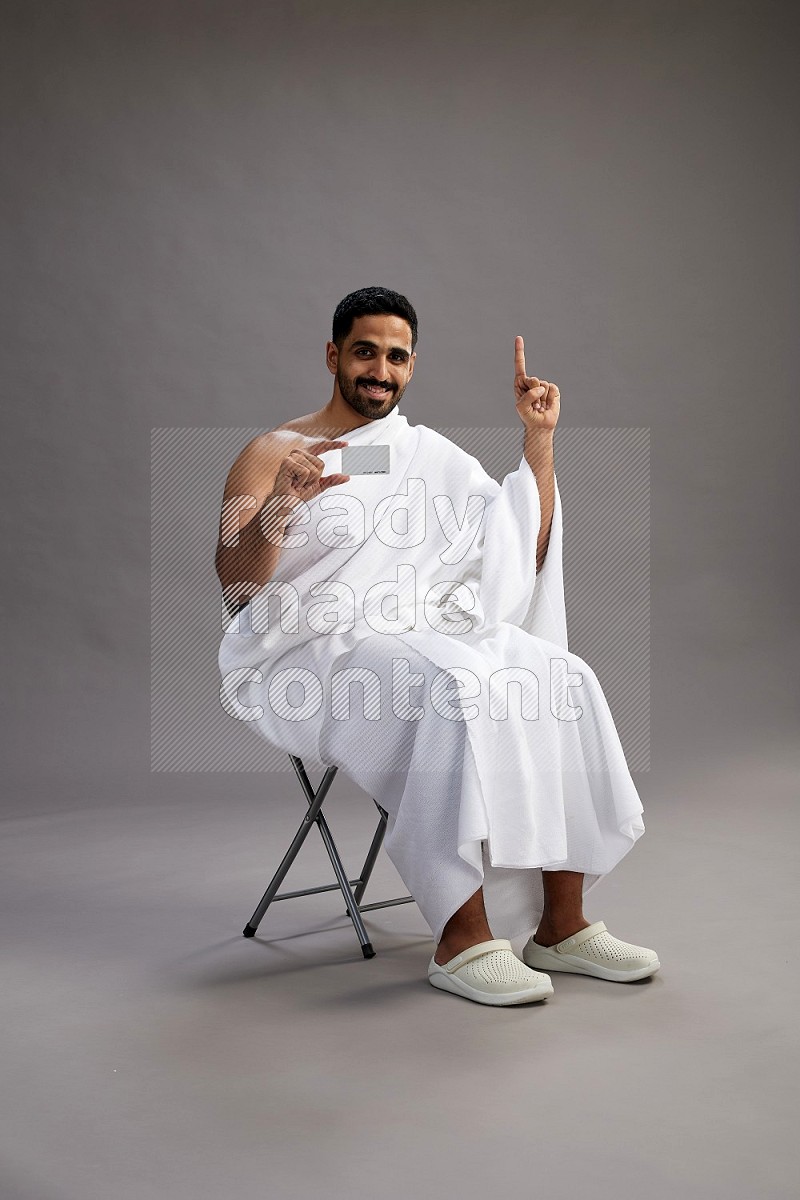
x: 593, y: 951
x: 490, y: 973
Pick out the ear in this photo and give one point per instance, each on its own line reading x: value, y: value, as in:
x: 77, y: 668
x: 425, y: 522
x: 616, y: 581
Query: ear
x: 331, y: 357
x: 411, y: 362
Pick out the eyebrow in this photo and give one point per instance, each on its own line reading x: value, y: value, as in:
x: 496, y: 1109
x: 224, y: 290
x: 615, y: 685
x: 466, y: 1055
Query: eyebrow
x: 374, y: 346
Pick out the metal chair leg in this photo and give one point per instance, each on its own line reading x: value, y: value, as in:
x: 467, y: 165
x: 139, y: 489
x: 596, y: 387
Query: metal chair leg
x: 353, y: 910
x: 372, y: 853
x: 305, y: 828
x: 352, y: 899
x: 336, y: 862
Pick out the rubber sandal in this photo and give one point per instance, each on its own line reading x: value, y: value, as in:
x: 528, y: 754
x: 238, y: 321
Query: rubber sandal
x: 593, y: 951
x: 490, y: 973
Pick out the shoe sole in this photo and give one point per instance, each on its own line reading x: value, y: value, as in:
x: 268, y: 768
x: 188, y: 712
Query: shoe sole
x: 447, y: 983
x: 561, y: 962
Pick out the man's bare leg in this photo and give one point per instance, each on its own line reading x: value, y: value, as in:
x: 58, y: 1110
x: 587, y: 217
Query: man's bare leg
x: 466, y: 927
x: 563, y: 907
x: 562, y: 916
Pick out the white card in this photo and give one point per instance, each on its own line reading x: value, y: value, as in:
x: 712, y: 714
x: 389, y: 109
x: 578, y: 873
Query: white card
x: 365, y: 460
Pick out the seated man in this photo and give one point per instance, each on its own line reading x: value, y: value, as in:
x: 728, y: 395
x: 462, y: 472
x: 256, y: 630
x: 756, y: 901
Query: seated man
x: 411, y: 568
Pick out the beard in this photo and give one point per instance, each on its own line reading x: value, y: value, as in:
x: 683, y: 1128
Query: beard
x: 372, y: 407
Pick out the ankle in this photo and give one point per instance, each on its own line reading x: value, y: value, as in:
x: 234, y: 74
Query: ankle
x: 551, y: 930
x: 455, y: 944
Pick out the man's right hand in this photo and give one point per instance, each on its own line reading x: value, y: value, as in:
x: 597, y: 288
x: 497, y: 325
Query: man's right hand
x: 264, y: 485
x: 300, y: 475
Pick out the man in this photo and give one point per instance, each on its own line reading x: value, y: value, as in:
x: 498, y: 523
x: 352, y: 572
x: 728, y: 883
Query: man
x: 494, y: 814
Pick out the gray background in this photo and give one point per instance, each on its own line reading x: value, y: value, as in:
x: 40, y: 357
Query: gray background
x: 189, y: 191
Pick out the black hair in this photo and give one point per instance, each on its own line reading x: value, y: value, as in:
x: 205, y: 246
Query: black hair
x: 367, y: 302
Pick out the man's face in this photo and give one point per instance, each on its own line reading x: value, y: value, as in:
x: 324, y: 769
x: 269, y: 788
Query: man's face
x: 377, y: 351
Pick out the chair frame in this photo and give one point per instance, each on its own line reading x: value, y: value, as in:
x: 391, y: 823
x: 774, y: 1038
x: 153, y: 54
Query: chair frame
x: 352, y: 898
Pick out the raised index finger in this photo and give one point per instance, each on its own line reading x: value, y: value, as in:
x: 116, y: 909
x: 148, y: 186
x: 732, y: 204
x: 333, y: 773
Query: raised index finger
x: 519, y: 356
x: 322, y: 447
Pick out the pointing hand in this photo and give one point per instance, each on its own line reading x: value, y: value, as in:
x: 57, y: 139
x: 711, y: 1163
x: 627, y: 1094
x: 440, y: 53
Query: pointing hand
x: 538, y: 402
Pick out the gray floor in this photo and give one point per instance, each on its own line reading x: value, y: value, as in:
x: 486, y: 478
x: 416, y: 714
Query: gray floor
x: 151, y: 1051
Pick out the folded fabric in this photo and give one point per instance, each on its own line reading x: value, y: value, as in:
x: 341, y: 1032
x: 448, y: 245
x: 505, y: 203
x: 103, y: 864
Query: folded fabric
x: 508, y: 761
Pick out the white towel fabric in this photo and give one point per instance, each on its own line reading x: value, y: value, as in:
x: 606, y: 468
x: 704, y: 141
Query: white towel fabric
x: 407, y: 592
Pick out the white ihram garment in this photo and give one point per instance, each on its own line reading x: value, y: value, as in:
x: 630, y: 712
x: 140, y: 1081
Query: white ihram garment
x: 477, y: 790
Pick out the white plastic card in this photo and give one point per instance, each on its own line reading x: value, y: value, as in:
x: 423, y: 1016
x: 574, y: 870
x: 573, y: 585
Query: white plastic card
x: 365, y: 460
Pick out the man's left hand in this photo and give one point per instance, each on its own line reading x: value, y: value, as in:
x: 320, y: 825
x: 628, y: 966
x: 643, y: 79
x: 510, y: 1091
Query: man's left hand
x: 538, y: 402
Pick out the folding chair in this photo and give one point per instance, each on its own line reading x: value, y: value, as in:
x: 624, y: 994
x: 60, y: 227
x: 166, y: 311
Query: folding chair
x: 352, y: 899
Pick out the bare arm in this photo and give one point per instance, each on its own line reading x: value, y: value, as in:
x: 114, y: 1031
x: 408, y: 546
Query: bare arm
x: 269, y: 478
x: 539, y: 406
x: 539, y: 456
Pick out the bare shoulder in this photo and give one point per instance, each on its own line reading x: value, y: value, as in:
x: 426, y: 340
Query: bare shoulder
x: 300, y: 431
x: 256, y: 465
x: 252, y: 476
x: 265, y: 445
x: 311, y: 426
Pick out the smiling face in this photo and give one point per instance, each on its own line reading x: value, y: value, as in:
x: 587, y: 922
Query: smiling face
x: 374, y: 366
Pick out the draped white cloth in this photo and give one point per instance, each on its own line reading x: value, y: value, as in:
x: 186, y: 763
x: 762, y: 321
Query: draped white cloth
x: 407, y: 638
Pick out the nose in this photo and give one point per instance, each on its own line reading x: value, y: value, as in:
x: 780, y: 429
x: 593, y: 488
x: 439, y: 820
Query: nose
x: 381, y: 369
